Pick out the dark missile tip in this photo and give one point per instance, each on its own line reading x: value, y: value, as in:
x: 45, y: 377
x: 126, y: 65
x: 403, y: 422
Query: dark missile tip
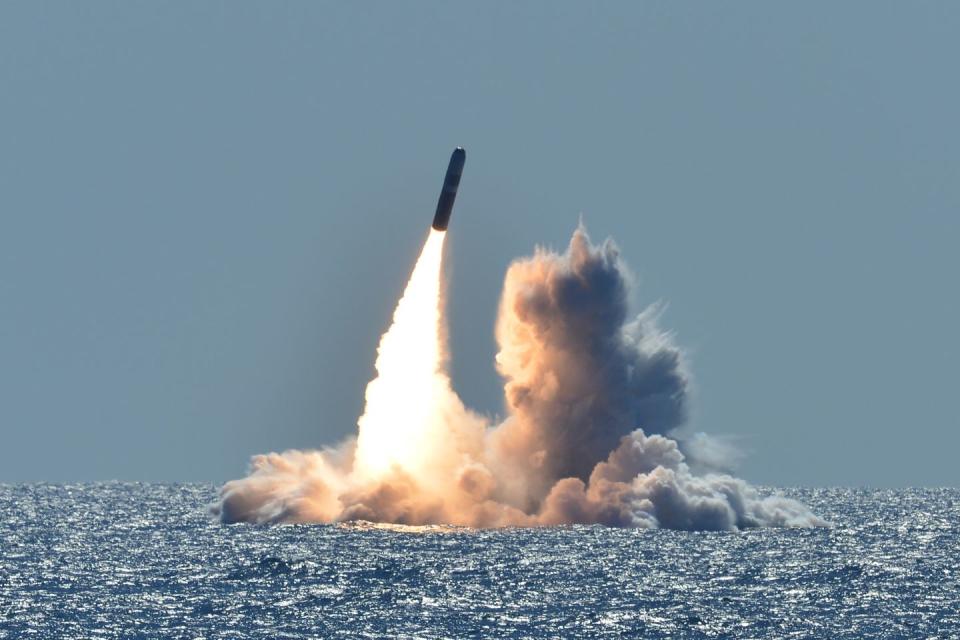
x: 457, y: 158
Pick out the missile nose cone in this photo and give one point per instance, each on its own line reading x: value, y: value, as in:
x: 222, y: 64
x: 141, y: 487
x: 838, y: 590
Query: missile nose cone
x: 455, y: 168
x: 449, y: 192
x: 458, y: 157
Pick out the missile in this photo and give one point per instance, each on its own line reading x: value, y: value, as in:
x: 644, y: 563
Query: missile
x: 449, y: 192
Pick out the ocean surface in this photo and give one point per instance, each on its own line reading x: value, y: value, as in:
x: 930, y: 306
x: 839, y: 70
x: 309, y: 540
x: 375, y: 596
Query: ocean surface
x: 146, y: 561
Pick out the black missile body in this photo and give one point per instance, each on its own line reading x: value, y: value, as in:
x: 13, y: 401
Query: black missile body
x: 449, y: 192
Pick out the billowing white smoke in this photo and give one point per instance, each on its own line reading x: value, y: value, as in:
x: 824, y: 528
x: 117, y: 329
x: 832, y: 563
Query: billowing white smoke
x: 591, y: 400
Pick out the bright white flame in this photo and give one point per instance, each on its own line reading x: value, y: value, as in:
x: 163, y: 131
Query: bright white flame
x: 399, y: 418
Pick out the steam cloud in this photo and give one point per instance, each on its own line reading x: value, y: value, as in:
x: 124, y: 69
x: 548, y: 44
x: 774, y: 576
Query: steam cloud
x: 592, y: 399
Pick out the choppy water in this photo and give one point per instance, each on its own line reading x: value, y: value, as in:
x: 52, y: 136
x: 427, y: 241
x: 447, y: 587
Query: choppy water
x: 145, y: 561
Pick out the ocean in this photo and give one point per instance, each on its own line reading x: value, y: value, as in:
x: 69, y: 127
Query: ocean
x: 123, y: 560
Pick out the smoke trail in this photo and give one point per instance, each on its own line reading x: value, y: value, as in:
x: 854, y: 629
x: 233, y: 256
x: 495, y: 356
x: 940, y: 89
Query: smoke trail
x: 591, y: 397
x: 409, y: 382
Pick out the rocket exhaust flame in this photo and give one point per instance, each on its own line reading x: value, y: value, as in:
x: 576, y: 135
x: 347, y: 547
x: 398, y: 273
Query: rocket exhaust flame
x: 396, y: 425
x: 591, y: 399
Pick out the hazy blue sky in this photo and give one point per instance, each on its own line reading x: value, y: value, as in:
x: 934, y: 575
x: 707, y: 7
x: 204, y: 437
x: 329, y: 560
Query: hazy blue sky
x: 208, y: 210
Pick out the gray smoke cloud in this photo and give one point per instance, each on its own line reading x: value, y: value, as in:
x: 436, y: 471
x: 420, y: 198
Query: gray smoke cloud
x: 592, y: 400
x: 578, y: 376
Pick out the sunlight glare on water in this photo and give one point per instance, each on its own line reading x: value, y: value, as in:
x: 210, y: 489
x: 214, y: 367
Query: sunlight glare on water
x: 139, y: 560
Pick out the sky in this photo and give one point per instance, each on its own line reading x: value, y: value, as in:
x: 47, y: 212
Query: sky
x: 208, y: 211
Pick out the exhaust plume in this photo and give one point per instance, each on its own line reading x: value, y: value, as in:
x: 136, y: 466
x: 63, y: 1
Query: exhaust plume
x: 592, y: 399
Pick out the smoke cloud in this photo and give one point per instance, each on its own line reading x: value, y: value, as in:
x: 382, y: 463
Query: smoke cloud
x: 592, y: 401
